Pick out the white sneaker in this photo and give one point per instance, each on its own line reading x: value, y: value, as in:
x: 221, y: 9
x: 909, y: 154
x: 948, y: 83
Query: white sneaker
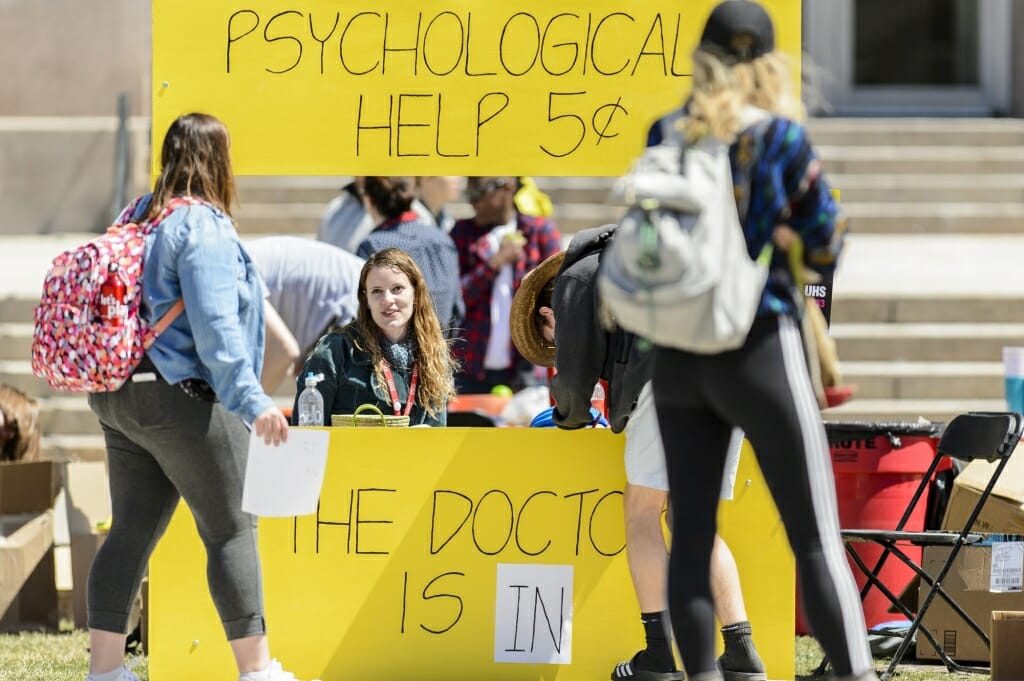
x: 272, y: 673
x: 126, y: 675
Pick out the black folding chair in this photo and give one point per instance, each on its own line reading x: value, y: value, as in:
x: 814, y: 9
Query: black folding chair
x: 991, y: 436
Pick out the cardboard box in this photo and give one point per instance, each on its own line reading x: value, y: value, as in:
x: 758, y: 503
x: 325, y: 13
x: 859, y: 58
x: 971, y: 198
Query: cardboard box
x: 29, y: 487
x: 27, y: 591
x: 1007, y: 652
x: 967, y: 582
x: 1004, y: 509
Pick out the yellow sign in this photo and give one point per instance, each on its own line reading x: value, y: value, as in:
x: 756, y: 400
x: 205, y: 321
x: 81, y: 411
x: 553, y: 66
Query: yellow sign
x: 460, y: 87
x: 458, y: 554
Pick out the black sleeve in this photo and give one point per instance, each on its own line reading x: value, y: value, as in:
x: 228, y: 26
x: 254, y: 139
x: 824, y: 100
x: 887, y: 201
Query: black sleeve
x: 327, y: 359
x: 581, y: 346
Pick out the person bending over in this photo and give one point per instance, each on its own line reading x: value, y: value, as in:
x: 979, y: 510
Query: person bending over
x: 556, y: 321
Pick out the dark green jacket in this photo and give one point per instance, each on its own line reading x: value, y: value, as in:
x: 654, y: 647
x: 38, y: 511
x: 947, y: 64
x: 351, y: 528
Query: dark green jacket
x: 349, y: 380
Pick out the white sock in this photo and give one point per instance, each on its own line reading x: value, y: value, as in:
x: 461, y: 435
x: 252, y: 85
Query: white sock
x: 106, y: 676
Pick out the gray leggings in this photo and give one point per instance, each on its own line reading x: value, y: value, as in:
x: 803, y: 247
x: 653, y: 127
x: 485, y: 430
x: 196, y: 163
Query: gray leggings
x: 163, y: 445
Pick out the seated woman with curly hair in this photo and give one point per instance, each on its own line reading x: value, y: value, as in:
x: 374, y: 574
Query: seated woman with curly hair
x: 393, y: 355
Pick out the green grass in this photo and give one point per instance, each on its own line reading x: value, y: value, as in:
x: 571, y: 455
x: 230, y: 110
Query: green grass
x: 48, y: 656
x: 51, y: 656
x: 808, y: 657
x: 34, y: 656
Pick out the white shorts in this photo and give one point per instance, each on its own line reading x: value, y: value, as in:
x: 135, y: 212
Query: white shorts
x: 645, y: 457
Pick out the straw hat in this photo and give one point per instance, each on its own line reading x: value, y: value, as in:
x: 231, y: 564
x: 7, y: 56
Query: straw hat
x: 525, y: 334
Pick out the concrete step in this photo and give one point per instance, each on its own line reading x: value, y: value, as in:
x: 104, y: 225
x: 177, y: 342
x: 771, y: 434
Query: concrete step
x: 926, y: 188
x: 975, y: 132
x: 18, y: 307
x: 18, y: 374
x: 921, y: 380
x: 938, y: 410
x: 15, y: 340
x: 288, y: 188
x: 576, y: 190
x: 932, y: 265
x: 903, y: 307
x: 926, y: 342
x: 68, y: 415
x: 920, y: 160
x: 321, y: 190
x: 934, y: 218
x: 73, y: 448
x: 574, y: 217
x: 278, y: 218
x: 302, y: 219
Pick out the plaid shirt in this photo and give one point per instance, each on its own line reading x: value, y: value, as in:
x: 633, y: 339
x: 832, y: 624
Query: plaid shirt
x: 542, y: 240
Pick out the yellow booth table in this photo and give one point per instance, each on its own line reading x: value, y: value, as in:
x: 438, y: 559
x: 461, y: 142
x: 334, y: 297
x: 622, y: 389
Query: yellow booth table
x: 458, y: 554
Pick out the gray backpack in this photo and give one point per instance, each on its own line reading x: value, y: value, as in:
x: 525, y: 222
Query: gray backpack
x: 678, y: 272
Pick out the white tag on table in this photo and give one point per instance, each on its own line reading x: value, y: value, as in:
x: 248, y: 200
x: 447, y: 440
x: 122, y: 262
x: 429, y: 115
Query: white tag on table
x: 285, y: 480
x: 1007, y: 567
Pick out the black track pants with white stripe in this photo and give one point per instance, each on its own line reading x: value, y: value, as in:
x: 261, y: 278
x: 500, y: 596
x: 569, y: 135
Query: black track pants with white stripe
x: 764, y: 389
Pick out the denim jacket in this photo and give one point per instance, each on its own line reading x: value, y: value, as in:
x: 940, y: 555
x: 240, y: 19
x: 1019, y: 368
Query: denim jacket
x: 194, y: 254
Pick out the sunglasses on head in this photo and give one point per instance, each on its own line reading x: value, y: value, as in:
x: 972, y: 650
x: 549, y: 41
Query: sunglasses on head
x: 476, y: 192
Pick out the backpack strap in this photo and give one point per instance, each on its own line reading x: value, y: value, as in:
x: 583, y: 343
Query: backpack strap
x: 165, y: 321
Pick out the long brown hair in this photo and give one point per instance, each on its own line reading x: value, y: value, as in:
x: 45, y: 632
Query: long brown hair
x: 433, y: 354
x: 194, y: 161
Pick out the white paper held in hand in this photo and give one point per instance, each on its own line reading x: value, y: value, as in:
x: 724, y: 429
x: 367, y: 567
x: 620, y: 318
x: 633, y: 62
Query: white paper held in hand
x: 285, y: 480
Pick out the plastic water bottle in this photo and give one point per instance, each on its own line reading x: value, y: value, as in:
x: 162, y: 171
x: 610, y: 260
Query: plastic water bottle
x: 311, y: 402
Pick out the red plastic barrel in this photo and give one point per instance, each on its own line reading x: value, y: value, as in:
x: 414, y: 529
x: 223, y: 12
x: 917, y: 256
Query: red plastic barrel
x: 877, y: 468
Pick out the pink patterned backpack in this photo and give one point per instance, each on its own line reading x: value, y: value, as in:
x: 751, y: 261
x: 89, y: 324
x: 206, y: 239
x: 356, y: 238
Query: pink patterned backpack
x: 89, y: 335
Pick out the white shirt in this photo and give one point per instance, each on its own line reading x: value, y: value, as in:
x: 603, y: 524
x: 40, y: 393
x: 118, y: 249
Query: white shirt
x: 499, y: 345
x: 310, y: 283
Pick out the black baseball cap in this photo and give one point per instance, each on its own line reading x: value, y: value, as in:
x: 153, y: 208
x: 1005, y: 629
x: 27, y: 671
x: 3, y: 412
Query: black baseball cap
x: 738, y: 31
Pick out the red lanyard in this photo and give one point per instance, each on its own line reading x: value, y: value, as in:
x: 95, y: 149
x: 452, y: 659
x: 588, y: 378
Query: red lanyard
x: 390, y: 379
